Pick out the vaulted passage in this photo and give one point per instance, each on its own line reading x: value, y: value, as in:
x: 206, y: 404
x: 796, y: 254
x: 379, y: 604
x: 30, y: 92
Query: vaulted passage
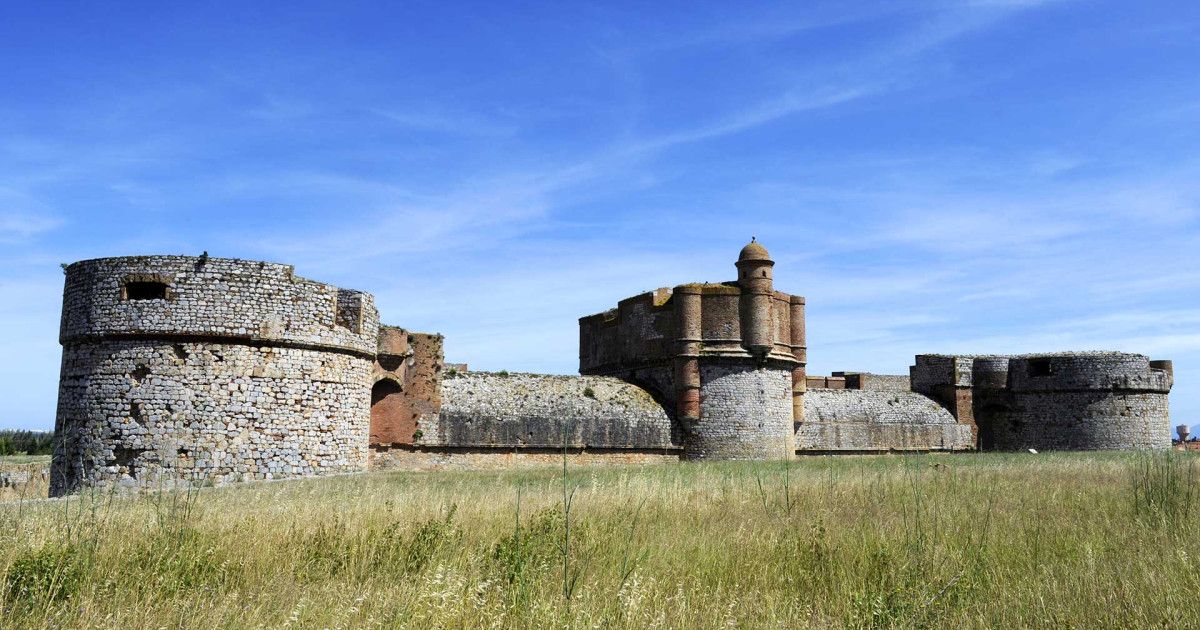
x: 392, y: 417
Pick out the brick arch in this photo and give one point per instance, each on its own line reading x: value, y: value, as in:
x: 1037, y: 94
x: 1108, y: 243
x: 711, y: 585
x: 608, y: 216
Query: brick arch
x: 392, y: 417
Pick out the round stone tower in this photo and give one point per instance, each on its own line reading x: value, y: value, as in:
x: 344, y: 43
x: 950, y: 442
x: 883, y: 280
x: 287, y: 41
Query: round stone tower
x: 208, y: 369
x: 1084, y: 401
x: 746, y: 409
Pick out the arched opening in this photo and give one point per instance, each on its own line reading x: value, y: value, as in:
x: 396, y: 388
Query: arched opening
x: 392, y: 418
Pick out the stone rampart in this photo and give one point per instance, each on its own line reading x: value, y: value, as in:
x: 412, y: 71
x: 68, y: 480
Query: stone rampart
x: 878, y: 420
x: 1063, y: 401
x: 530, y: 411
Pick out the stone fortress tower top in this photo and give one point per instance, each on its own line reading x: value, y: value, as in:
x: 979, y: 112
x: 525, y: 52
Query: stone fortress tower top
x: 755, y: 279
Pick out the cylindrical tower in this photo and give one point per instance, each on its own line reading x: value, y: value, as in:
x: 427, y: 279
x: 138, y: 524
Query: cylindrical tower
x: 1085, y: 401
x: 208, y: 369
x: 747, y: 403
x: 745, y: 412
x: 800, y: 352
x: 754, y: 267
x: 687, y: 360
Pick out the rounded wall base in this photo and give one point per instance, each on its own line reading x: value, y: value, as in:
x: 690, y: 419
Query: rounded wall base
x: 745, y: 413
x: 1082, y: 421
x: 158, y: 413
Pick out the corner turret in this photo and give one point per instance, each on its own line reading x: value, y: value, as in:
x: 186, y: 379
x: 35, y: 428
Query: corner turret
x: 755, y: 279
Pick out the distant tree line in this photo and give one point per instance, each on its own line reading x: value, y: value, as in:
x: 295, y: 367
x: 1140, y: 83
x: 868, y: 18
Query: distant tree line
x: 25, y: 442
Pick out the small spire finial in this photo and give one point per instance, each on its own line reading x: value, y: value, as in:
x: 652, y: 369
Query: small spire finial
x: 753, y: 238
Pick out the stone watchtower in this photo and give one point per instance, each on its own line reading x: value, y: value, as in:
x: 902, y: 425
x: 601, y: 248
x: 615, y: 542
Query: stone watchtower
x: 180, y: 368
x: 727, y: 358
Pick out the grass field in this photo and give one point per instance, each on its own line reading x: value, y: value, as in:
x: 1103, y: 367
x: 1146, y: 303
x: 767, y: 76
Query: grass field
x: 32, y: 480
x: 1050, y: 540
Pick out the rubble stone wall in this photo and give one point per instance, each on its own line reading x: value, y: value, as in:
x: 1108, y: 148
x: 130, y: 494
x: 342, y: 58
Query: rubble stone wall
x: 214, y: 297
x: 1054, y: 401
x: 1084, y: 421
x: 203, y: 369
x: 878, y: 420
x: 745, y: 413
x: 530, y: 411
x: 422, y: 458
x: 1084, y: 401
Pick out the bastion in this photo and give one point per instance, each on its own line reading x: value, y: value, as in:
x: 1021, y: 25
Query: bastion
x: 727, y: 358
x: 1054, y: 401
x: 208, y: 370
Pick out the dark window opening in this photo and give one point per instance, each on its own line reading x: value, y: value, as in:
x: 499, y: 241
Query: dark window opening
x: 127, y: 458
x: 764, y: 273
x: 140, y: 373
x: 146, y: 291
x: 1040, y: 367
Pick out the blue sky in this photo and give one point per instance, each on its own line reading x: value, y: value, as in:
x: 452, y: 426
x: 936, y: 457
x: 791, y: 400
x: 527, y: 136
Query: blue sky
x: 935, y: 177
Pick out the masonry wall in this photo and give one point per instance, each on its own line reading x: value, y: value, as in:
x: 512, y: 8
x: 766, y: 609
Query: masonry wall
x: 215, y: 297
x: 745, y: 413
x: 234, y: 370
x: 639, y: 332
x: 861, y: 380
x: 150, y: 413
x: 1056, y: 401
x: 530, y: 411
x: 472, y: 458
x: 1084, y: 421
x: 878, y: 382
x: 407, y: 385
x: 1084, y: 401
x: 877, y: 420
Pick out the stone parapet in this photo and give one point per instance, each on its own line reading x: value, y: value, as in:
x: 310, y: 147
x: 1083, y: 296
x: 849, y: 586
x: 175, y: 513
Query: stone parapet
x: 218, y: 298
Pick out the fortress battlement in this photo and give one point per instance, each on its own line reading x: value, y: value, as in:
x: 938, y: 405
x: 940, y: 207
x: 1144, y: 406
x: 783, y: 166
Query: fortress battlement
x: 1055, y: 400
x: 201, y: 297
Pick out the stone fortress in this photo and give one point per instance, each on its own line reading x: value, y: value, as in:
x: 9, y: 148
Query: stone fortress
x: 193, y: 370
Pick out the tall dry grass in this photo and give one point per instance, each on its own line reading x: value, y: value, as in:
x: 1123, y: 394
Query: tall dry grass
x: 924, y: 541
x: 24, y: 477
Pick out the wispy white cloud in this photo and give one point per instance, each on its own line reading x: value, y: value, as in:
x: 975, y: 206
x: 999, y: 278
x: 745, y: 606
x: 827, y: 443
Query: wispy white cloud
x: 464, y: 123
x: 793, y: 102
x: 23, y: 217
